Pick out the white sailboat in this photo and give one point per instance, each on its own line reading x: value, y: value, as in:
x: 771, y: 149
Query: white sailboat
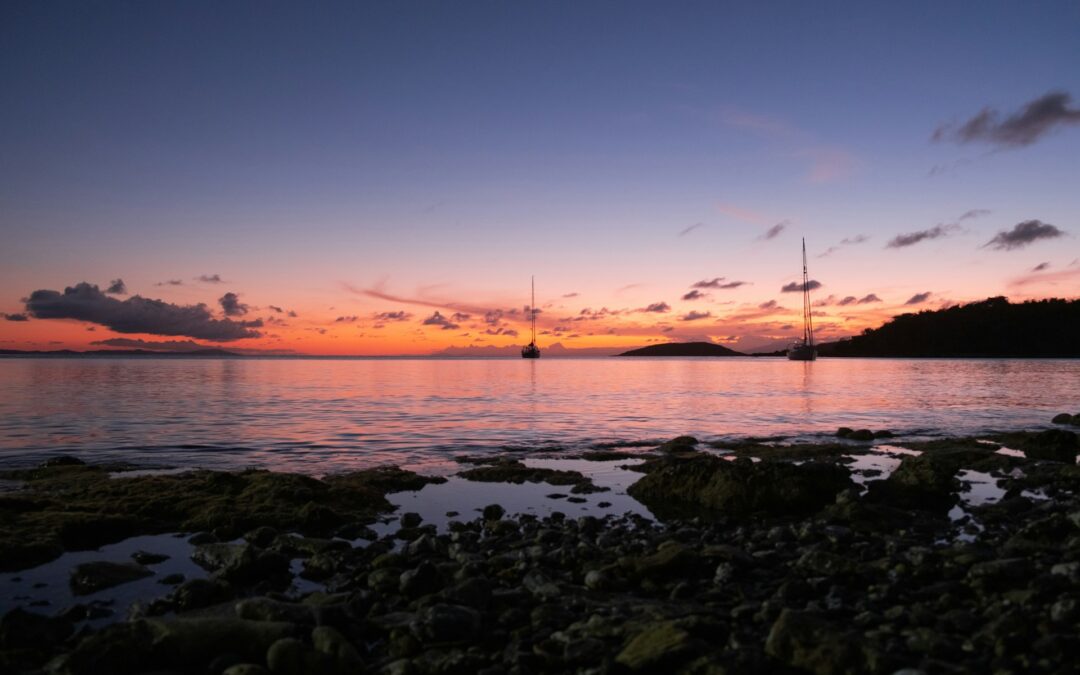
x: 803, y: 349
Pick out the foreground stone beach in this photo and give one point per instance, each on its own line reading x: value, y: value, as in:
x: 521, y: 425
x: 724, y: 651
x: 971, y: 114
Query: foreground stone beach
x: 765, y: 556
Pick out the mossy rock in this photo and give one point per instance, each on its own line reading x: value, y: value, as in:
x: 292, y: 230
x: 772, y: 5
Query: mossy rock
x: 74, y: 507
x: 706, y: 484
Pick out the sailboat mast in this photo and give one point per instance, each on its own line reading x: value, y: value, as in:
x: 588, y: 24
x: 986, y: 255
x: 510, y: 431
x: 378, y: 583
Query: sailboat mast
x: 808, y: 320
x: 532, y: 309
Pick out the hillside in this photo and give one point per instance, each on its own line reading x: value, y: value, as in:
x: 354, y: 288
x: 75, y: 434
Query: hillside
x: 991, y: 328
x: 683, y: 349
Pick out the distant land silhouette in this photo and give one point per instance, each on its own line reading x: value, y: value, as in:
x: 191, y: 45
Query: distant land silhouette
x: 116, y: 352
x: 683, y: 349
x: 990, y: 328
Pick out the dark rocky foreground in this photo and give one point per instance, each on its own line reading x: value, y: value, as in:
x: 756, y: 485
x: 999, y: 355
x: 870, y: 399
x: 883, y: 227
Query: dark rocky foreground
x: 783, y: 566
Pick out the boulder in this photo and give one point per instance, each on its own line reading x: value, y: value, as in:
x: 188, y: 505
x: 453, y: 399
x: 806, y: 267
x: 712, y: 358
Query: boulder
x: 1063, y: 418
x: 686, y: 487
x: 446, y: 623
x: 679, y: 444
x: 95, y: 576
x: 657, y: 645
x: 806, y: 641
x: 1058, y: 445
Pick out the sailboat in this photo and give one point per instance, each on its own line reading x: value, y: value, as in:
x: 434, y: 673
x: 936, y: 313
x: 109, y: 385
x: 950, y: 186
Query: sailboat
x: 531, y: 351
x: 803, y: 349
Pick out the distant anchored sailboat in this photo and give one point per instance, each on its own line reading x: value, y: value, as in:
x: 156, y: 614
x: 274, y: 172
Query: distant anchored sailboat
x: 531, y: 351
x: 803, y: 349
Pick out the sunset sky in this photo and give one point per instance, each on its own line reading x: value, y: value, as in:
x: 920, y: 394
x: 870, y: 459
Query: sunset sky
x: 384, y: 177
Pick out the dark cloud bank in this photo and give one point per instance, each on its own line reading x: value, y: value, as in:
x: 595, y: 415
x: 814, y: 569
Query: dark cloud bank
x: 86, y: 302
x: 1023, y: 234
x: 1036, y: 119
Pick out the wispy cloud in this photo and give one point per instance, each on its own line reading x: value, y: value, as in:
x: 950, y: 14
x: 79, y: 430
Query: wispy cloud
x: 719, y: 283
x: 912, y: 238
x: 437, y: 319
x: 797, y: 286
x: 16, y: 317
x: 400, y: 315
x: 687, y: 230
x: 210, y: 279
x: 170, y: 282
x: 827, y: 162
x: 117, y: 287
x: 743, y: 214
x: 656, y: 307
x: 695, y: 316
x: 936, y: 232
x: 774, y: 231
x: 1035, y: 120
x: 694, y: 295
x: 1041, y: 267
x: 918, y: 298
x: 1023, y: 234
x: 846, y: 241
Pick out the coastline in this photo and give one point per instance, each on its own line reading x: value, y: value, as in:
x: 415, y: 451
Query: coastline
x: 849, y: 556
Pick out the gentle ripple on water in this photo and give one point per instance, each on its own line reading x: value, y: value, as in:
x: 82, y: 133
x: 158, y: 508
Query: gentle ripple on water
x: 324, y: 415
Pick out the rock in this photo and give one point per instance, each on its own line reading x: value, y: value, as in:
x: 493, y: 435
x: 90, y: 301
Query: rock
x: 172, y: 579
x: 117, y: 649
x: 199, y: 593
x: 62, y: 460
x: 924, y: 482
x: 679, y: 444
x: 269, y: 609
x: 596, y: 580
x: 147, y: 558
x: 1063, y: 418
x: 410, y: 520
x: 844, y: 432
x: 861, y: 435
x: 244, y: 564
x: 92, y: 577
x: 493, y: 512
x: 446, y: 623
x: 1002, y: 573
x: 342, y: 656
x: 686, y: 486
x: 422, y: 580
x: 805, y: 640
x: 657, y: 645
x: 288, y: 656
x: 20, y: 629
x: 245, y: 669
x: 194, y: 642
x: 1058, y: 445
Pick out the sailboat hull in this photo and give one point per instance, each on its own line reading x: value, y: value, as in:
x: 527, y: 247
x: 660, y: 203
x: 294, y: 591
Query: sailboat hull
x: 802, y: 353
x: 530, y: 352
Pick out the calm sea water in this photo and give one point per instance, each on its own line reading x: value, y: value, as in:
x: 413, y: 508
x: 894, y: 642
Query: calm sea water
x: 319, y: 416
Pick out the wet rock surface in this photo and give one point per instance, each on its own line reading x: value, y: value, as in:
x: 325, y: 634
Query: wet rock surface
x: 773, y: 566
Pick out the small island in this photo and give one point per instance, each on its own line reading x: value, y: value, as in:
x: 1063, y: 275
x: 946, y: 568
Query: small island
x: 683, y: 349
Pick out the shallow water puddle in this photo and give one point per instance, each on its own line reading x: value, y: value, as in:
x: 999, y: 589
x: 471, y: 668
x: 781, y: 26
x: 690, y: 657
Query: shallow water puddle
x: 467, y: 498
x: 980, y: 488
x: 45, y: 589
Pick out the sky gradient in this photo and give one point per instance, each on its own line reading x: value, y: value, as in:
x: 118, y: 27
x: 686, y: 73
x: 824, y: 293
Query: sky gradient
x: 383, y: 178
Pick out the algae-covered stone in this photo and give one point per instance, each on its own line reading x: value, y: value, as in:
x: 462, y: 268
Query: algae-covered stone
x: 341, y: 654
x: 686, y: 486
x: 245, y: 669
x: 446, y: 623
x: 288, y: 656
x: 196, y: 641
x: 806, y: 641
x: 1058, y: 445
x: 95, y: 576
x: 860, y: 435
x: 1063, y: 418
x: 679, y: 444
x: 657, y: 645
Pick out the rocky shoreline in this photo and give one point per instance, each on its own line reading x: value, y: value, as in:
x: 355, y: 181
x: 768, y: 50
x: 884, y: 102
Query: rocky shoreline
x: 763, y: 557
